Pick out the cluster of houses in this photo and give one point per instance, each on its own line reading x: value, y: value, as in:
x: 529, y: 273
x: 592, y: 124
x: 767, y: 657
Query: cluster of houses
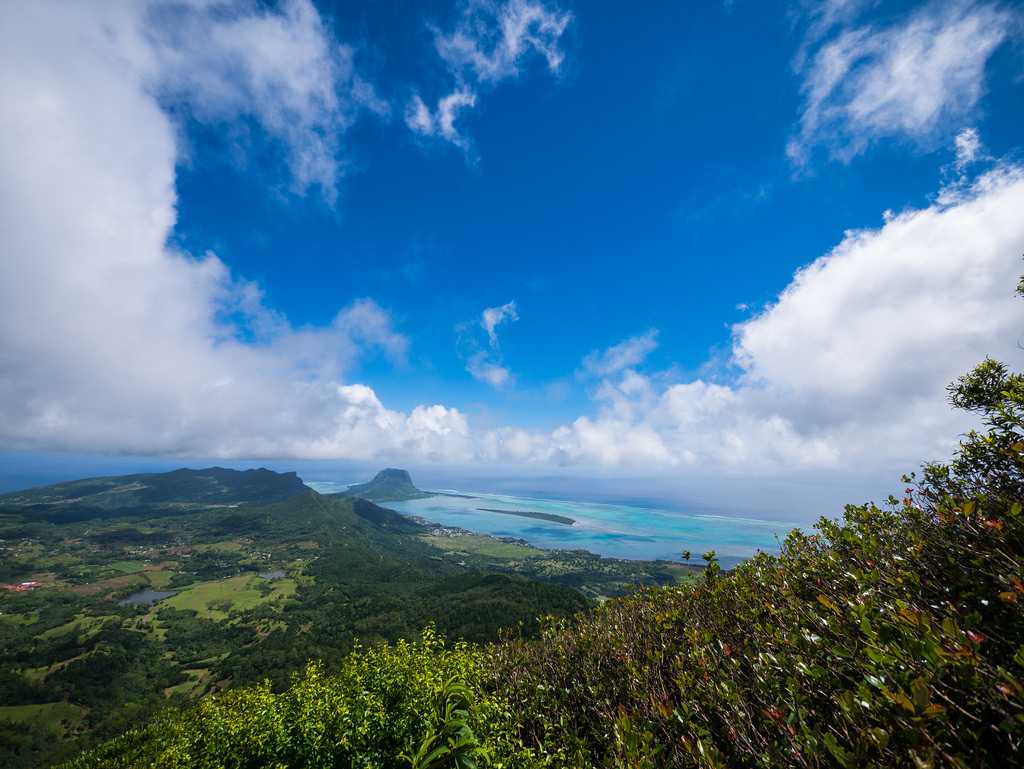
x: 21, y: 587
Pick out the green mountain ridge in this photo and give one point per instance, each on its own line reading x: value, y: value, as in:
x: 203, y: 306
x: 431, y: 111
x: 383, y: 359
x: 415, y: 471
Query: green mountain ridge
x: 77, y: 665
x: 153, y: 493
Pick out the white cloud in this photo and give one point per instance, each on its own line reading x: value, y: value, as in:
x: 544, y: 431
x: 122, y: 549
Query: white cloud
x: 490, y: 42
x: 440, y: 122
x: 492, y: 39
x: 492, y: 317
x: 912, y: 79
x: 361, y: 427
x: 111, y: 340
x: 625, y: 354
x: 494, y: 374
x: 823, y: 16
x: 846, y: 370
x: 225, y: 60
x: 486, y: 364
x: 968, y: 148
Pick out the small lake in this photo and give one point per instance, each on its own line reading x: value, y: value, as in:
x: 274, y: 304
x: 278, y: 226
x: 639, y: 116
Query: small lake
x: 273, y: 574
x: 146, y: 597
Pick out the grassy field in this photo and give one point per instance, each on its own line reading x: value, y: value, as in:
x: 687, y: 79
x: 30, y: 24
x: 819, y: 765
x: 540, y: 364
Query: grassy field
x: 52, y: 715
x: 216, y: 600
x: 482, y: 546
x: 228, y: 546
x: 20, y: 619
x: 126, y: 582
x: 128, y: 567
x: 196, y: 684
x: 159, y: 579
x: 83, y: 625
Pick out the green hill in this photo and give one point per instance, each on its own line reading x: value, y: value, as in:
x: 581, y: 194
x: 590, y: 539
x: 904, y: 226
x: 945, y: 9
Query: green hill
x: 155, y: 590
x: 894, y: 638
x: 389, y: 485
x: 153, y: 493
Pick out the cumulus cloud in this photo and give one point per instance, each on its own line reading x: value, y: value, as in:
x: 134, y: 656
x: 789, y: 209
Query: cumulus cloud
x: 625, y: 354
x: 846, y: 369
x: 911, y: 79
x: 490, y: 42
x: 112, y: 340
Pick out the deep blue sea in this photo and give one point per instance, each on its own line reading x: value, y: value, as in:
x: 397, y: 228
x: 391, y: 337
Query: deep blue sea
x: 614, y: 530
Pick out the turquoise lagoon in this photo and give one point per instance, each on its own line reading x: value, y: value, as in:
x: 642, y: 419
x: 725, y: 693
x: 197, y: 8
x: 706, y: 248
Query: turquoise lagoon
x: 613, y: 530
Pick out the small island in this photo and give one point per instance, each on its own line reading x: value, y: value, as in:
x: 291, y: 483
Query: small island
x: 531, y: 514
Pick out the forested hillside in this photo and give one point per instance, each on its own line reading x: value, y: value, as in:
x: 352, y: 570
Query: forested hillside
x: 892, y: 638
x: 122, y: 596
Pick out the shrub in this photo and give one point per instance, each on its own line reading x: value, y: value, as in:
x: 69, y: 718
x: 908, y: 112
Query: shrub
x: 377, y: 710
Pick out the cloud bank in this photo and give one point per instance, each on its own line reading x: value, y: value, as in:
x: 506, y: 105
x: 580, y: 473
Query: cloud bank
x: 111, y: 340
x: 846, y: 369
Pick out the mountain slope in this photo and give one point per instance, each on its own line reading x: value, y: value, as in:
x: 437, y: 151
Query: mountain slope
x: 230, y: 578
x: 389, y: 485
x: 153, y: 493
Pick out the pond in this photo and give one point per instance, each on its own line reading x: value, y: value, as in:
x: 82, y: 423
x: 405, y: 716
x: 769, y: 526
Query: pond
x: 273, y: 574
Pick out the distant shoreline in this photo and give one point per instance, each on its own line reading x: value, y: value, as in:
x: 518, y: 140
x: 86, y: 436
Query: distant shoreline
x: 565, y: 520
x: 625, y: 534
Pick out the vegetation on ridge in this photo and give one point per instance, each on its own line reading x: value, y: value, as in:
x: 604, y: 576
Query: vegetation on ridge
x: 892, y: 638
x: 151, y: 591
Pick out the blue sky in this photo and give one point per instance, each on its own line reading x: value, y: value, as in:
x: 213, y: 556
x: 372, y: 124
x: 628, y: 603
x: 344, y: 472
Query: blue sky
x: 637, y: 186
x: 646, y: 185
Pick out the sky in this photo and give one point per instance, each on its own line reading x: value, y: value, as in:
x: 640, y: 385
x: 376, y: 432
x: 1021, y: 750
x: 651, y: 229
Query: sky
x: 716, y: 246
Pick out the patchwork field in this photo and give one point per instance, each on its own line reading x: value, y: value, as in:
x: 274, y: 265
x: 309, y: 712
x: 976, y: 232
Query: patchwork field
x: 217, y: 600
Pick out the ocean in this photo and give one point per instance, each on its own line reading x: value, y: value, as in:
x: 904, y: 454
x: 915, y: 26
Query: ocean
x: 613, y: 530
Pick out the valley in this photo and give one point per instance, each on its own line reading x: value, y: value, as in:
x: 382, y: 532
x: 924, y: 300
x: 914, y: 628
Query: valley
x: 124, y: 595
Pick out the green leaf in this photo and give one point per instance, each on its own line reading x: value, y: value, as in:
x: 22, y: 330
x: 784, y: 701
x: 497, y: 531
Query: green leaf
x: 838, y: 753
x: 922, y: 694
x: 827, y: 603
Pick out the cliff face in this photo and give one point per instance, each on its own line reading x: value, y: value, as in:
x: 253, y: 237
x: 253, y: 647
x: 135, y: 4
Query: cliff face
x: 389, y: 485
